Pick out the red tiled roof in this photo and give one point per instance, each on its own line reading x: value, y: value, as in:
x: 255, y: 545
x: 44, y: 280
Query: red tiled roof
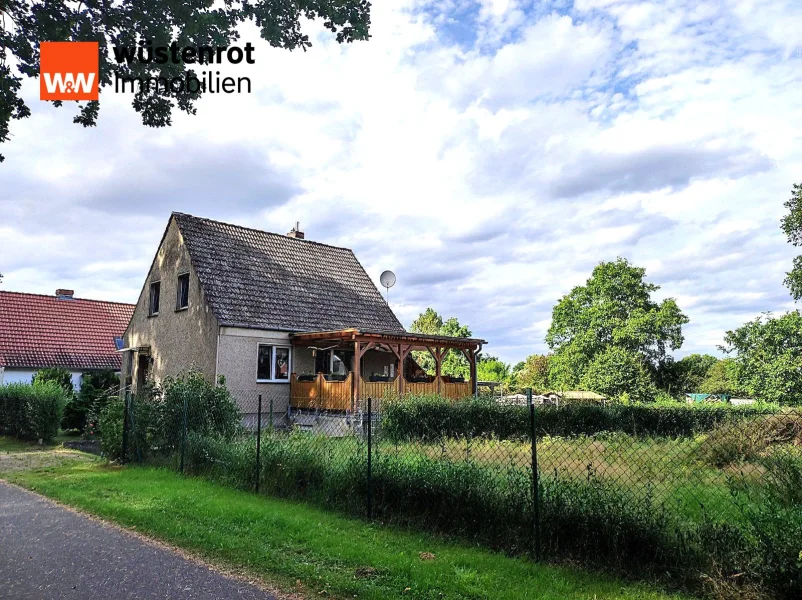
x: 44, y: 331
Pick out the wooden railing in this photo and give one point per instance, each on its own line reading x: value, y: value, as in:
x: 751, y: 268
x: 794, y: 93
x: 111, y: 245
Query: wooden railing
x: 380, y: 389
x: 456, y: 391
x: 320, y: 394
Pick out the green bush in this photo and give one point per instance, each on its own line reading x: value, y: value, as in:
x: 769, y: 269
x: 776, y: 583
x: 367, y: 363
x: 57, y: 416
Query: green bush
x: 47, y: 409
x: 97, y: 388
x: 15, y: 402
x: 748, y: 440
x: 32, y: 411
x: 62, y: 377
x: 211, y: 411
x: 158, y: 417
x: 432, y: 418
x: 110, y: 422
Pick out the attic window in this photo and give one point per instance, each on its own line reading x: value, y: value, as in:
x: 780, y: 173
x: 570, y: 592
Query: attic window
x: 182, y: 293
x: 155, y: 293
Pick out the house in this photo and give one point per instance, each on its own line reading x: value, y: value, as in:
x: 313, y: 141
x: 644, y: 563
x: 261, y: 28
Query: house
x: 38, y: 331
x: 299, y: 322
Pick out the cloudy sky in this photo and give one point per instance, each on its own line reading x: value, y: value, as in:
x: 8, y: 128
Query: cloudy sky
x: 490, y: 152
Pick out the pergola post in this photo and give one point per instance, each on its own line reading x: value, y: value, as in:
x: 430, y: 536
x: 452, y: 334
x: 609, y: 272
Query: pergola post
x: 474, y: 384
x: 437, y: 355
x: 401, y: 371
x: 357, y: 383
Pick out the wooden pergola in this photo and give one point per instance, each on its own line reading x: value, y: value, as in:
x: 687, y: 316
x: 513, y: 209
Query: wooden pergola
x: 400, y: 345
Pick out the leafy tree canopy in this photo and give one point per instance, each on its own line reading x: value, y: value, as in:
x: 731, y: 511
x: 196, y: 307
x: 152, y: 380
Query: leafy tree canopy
x: 431, y: 323
x: 618, y: 372
x: 686, y: 375
x: 124, y: 23
x: 533, y: 373
x: 792, y: 227
x: 613, y: 309
x: 490, y: 368
x: 769, y: 357
x: 721, y: 378
x: 60, y: 376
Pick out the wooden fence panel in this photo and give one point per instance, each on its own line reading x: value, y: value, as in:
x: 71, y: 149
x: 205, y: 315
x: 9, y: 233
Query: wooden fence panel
x: 336, y: 395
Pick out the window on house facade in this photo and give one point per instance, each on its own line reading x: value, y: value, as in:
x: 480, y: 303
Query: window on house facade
x: 155, y: 293
x: 182, y: 293
x: 273, y: 363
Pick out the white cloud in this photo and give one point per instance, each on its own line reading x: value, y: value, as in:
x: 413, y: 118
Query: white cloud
x: 491, y: 172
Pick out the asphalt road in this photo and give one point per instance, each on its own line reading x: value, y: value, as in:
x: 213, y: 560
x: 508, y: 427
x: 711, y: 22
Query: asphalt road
x: 49, y: 552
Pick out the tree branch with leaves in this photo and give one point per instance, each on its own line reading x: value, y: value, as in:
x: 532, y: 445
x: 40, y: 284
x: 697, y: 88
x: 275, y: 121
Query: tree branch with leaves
x: 26, y: 23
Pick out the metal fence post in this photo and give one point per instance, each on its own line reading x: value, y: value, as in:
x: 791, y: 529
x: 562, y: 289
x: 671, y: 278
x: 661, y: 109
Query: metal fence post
x: 126, y: 408
x: 535, y: 482
x: 370, y: 464
x: 259, y: 439
x: 183, y: 435
x: 271, y: 411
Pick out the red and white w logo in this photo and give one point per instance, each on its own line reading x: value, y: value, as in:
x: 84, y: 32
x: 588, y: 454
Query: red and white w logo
x: 68, y: 70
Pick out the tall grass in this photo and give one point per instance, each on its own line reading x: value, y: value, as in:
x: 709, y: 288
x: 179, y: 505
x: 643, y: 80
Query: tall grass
x: 593, y: 520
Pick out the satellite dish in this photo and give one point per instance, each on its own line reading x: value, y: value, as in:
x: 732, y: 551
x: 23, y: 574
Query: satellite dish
x: 387, y: 279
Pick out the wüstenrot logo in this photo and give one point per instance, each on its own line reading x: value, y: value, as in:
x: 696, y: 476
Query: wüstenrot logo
x: 68, y: 70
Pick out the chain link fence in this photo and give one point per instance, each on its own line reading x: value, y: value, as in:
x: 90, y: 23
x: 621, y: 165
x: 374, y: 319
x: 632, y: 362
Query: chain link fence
x: 709, y: 497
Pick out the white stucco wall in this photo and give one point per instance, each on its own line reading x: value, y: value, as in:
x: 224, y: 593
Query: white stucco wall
x: 237, y: 355
x: 11, y: 375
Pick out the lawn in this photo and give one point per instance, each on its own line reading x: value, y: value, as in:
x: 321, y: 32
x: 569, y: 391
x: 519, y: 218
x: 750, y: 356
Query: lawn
x: 298, y: 547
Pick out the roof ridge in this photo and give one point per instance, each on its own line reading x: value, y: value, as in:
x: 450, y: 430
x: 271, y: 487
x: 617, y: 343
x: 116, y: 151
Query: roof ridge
x: 54, y: 297
x: 279, y: 235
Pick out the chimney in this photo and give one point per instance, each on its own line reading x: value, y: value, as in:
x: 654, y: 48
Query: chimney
x: 296, y: 232
x: 64, y: 294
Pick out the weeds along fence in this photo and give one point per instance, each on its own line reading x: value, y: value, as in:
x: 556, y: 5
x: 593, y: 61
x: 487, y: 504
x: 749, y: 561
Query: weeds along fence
x: 709, y: 498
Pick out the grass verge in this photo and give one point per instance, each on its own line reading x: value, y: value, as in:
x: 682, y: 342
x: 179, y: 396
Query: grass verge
x: 298, y: 547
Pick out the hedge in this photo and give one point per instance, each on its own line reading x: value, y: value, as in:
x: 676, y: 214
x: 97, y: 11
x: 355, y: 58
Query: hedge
x: 32, y: 411
x: 432, y: 418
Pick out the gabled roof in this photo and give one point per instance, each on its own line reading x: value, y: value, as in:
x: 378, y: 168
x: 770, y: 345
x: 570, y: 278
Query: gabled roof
x: 45, y: 331
x: 262, y: 280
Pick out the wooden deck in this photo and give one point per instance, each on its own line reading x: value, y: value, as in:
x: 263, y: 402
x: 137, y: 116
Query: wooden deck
x: 320, y: 394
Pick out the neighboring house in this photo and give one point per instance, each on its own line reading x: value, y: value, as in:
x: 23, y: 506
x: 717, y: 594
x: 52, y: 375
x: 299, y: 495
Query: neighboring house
x: 299, y: 322
x: 39, y: 331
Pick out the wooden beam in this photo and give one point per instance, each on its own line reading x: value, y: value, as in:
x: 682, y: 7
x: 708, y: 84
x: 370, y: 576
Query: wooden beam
x: 438, y: 361
x: 474, y: 383
x: 357, y: 383
x: 367, y: 347
x: 401, y: 369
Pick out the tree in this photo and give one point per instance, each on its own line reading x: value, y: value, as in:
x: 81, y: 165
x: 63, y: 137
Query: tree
x: 127, y: 22
x: 613, y: 309
x: 490, y: 368
x: 97, y: 388
x: 768, y: 361
x: 431, y: 323
x: 792, y: 227
x: 616, y: 372
x: 722, y: 378
x: 60, y: 376
x: 533, y: 373
x: 686, y: 375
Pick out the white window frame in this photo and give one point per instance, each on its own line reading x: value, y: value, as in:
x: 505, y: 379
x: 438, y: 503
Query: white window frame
x: 273, y: 369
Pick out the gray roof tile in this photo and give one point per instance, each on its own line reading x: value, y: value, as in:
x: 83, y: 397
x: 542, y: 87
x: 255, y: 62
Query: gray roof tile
x: 264, y: 280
